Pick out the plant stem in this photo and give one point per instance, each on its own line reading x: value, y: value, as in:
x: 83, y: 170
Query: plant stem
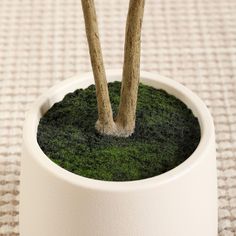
x: 105, y: 123
x: 125, y: 119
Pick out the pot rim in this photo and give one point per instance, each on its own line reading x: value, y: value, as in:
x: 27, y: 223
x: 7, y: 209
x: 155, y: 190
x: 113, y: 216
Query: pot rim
x: 184, y: 94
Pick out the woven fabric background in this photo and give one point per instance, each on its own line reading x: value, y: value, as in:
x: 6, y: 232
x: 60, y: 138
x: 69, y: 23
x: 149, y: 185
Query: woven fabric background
x: 43, y: 41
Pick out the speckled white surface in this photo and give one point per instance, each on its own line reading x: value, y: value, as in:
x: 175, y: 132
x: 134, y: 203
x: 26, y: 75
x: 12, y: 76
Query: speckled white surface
x: 43, y: 41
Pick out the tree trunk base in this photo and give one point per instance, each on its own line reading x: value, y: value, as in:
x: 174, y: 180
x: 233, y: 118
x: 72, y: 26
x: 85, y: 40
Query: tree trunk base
x: 114, y: 129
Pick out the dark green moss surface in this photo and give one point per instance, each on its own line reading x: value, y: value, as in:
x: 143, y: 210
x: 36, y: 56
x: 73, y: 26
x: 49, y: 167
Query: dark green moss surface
x: 166, y: 134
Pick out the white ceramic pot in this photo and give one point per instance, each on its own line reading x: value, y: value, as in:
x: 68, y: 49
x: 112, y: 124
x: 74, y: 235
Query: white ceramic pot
x: 180, y: 202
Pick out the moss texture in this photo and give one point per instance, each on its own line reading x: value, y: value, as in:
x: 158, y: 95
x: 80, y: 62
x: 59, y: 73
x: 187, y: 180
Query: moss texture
x: 166, y: 134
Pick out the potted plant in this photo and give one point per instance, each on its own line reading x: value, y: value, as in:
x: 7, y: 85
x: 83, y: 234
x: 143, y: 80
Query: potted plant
x: 123, y: 195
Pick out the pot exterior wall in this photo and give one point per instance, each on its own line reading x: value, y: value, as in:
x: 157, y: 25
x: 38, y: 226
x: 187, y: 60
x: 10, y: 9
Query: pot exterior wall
x: 183, y: 207
x: 181, y: 202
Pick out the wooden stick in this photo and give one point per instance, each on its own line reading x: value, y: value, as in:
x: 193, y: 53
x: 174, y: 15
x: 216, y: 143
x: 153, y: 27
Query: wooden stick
x: 105, y: 123
x: 125, y: 119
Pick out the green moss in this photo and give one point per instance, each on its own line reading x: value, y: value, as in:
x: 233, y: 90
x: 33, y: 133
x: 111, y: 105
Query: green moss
x: 166, y: 134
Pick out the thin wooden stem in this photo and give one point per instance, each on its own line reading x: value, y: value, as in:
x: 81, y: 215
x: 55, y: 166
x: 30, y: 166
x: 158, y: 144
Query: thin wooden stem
x: 125, y: 119
x: 105, y: 123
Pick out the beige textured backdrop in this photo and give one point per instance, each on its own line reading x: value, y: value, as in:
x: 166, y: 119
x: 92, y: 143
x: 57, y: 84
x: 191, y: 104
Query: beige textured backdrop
x: 43, y: 41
